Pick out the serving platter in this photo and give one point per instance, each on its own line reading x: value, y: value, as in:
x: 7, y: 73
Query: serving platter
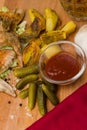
x: 14, y: 113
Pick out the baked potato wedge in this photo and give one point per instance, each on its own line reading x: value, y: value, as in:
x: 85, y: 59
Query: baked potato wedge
x: 31, y: 53
x: 33, y: 13
x: 52, y: 19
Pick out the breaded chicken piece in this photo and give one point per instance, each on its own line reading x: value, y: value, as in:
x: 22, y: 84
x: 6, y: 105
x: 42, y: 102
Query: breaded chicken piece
x: 6, y: 59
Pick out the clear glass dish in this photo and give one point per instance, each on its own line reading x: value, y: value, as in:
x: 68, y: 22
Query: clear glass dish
x: 66, y: 46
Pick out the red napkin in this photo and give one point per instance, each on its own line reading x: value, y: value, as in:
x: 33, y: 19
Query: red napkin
x: 70, y: 114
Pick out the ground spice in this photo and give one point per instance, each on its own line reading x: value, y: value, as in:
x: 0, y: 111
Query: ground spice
x: 20, y: 104
x: 9, y: 102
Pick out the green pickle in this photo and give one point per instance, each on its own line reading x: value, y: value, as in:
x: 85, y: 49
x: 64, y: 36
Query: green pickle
x: 24, y: 81
x: 51, y: 95
x: 32, y: 95
x: 52, y: 87
x: 31, y: 69
x: 41, y: 101
x: 24, y: 93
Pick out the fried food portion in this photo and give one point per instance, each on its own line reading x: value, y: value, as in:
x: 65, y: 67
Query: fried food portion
x: 35, y: 28
x: 31, y: 32
x: 6, y: 59
x: 52, y: 19
x: 34, y: 14
x: 52, y: 36
x: 31, y: 53
x: 11, y: 18
x: 8, y: 39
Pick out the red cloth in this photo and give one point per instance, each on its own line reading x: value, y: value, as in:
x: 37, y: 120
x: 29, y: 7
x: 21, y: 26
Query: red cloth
x: 70, y: 114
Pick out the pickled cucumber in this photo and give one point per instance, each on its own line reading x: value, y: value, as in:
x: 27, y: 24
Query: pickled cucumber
x: 51, y: 95
x: 31, y: 69
x: 41, y: 101
x: 52, y: 87
x: 24, y: 81
x: 24, y: 93
x: 32, y: 95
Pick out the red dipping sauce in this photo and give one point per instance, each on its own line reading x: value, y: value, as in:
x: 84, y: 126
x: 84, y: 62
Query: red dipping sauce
x: 62, y: 66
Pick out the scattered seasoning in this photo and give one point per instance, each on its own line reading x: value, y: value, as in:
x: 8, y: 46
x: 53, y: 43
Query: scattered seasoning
x: 20, y: 104
x: 27, y: 109
x: 12, y: 116
x: 7, y: 79
x: 9, y: 102
x: 29, y: 114
x: 10, y: 68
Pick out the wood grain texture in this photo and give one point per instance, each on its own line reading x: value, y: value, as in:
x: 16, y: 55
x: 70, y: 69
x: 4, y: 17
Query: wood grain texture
x: 22, y: 115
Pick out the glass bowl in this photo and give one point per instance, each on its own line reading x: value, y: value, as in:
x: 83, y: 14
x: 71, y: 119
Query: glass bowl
x: 58, y: 48
x: 77, y: 9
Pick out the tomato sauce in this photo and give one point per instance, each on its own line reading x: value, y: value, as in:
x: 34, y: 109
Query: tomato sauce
x: 62, y: 66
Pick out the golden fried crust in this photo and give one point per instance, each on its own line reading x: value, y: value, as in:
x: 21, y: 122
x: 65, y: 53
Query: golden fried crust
x: 6, y: 58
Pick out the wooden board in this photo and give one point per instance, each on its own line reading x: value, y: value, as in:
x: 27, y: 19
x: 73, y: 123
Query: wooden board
x: 16, y: 117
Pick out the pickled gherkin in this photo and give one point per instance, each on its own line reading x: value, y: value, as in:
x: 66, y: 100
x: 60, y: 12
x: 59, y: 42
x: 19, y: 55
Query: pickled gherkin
x: 41, y: 101
x: 24, y: 81
x: 32, y: 95
x: 24, y: 93
x: 51, y: 95
x: 24, y: 71
x: 51, y: 86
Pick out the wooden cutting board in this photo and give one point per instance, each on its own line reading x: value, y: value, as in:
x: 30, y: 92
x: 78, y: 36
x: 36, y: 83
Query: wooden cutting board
x: 13, y: 116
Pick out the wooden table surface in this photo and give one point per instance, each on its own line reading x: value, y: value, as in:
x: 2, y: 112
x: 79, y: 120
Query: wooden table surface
x: 16, y: 117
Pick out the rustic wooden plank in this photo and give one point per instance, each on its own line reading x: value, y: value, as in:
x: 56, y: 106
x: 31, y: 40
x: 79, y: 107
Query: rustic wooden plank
x: 16, y: 117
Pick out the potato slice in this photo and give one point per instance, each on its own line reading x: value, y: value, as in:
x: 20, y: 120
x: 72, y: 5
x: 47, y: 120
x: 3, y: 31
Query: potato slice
x: 31, y: 53
x: 53, y: 50
x: 51, y: 19
x: 33, y: 13
x: 69, y: 27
